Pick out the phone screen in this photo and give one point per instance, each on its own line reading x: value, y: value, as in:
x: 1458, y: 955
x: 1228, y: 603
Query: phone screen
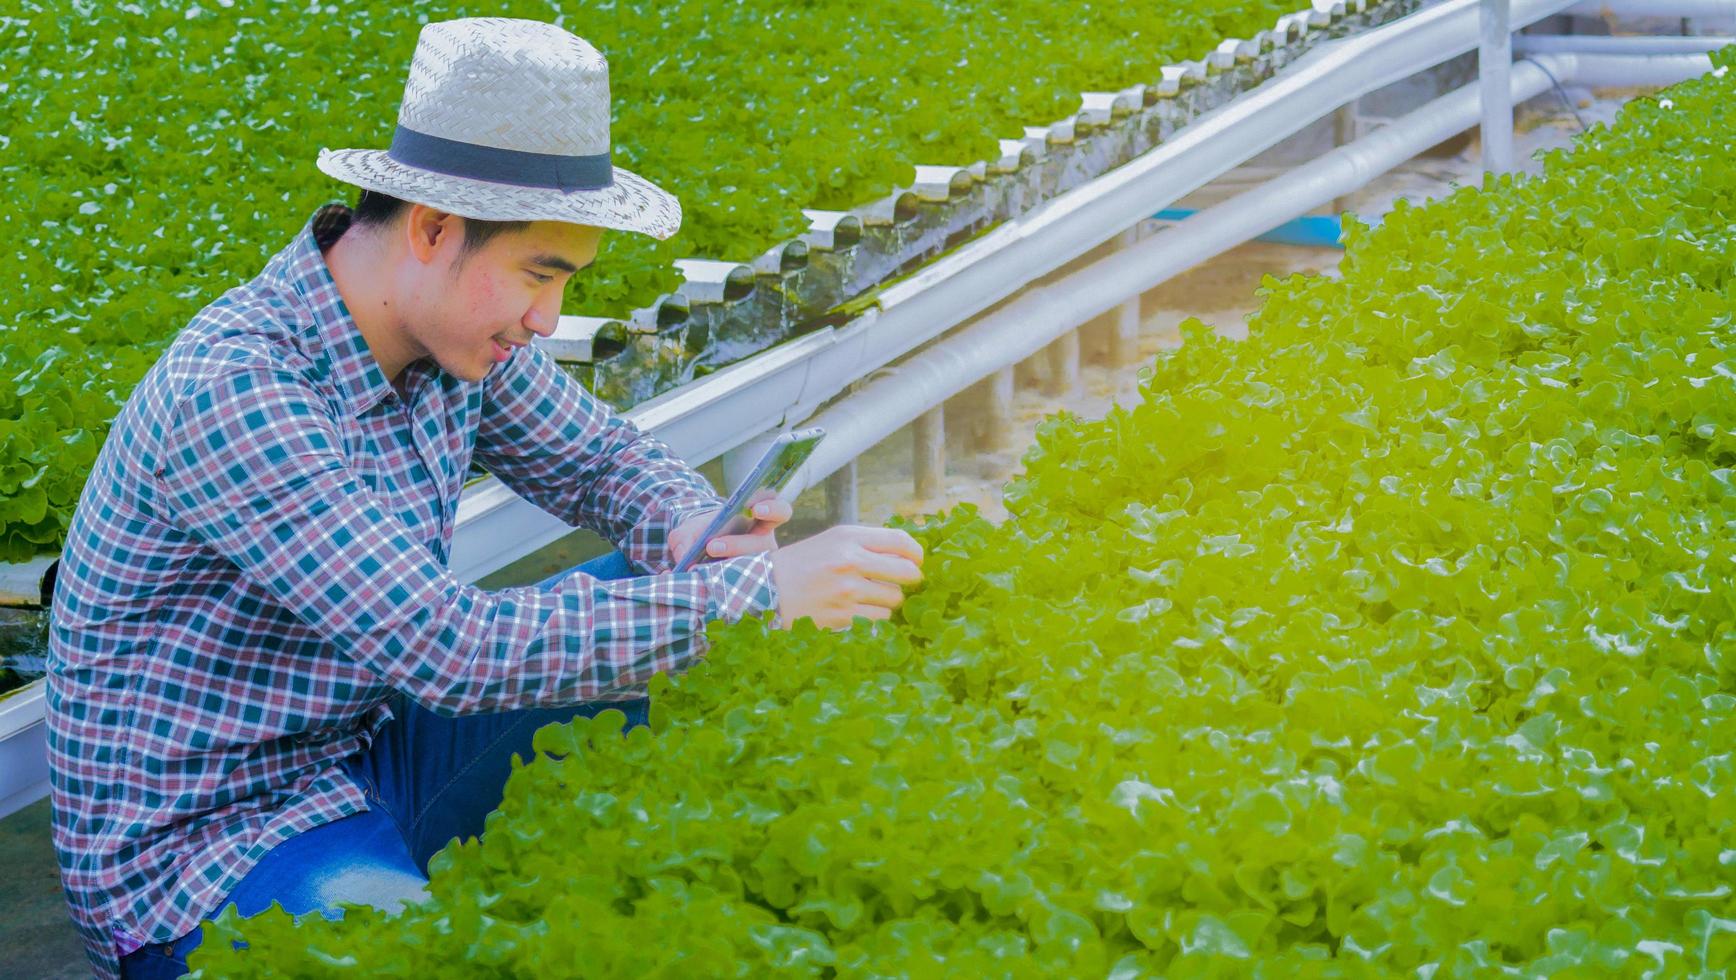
x: 789, y: 458
x: 769, y: 478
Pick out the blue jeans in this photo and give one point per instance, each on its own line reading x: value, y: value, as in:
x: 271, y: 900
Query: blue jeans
x: 427, y: 778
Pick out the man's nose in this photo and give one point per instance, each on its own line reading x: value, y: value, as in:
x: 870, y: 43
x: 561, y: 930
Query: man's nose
x: 543, y: 315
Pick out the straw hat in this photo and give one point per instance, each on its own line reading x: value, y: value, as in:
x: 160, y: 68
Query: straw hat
x: 508, y: 120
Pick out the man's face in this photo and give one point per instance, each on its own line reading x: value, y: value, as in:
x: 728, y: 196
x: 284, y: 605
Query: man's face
x: 479, y: 307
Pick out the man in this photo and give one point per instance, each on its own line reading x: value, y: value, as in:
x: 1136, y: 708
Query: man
x: 266, y: 685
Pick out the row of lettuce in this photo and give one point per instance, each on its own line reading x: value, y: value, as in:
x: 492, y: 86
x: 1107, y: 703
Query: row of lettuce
x: 1396, y: 639
x: 157, y: 152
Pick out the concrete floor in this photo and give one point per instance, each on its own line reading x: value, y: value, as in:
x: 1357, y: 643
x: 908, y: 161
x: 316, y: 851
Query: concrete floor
x: 36, y: 937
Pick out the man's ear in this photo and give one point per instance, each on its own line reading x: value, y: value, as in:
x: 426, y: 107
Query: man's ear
x: 427, y: 230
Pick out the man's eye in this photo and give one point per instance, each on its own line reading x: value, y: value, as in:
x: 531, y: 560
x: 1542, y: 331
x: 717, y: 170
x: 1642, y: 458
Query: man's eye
x: 540, y: 278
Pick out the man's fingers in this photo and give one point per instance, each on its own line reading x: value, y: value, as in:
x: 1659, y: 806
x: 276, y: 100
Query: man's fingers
x: 762, y: 529
x: 891, y: 541
x: 733, y: 545
x: 889, y: 568
x: 882, y: 594
x: 772, y: 512
x: 876, y: 613
x: 769, y: 515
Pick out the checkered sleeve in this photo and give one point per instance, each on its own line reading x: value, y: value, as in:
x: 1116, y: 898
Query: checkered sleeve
x: 558, y: 446
x: 253, y: 468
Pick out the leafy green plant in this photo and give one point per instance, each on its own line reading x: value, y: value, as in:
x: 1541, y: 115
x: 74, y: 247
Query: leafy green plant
x: 1395, y: 639
x: 157, y: 152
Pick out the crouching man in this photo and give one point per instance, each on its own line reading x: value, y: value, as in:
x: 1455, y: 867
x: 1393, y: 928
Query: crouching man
x: 266, y: 684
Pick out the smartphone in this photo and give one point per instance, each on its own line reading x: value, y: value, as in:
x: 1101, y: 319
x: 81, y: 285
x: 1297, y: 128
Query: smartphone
x: 770, y: 476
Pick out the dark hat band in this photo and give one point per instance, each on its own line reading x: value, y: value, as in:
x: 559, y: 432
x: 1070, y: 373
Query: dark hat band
x: 518, y: 167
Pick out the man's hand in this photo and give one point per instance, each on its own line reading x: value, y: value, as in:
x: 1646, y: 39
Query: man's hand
x: 768, y: 516
x: 845, y: 572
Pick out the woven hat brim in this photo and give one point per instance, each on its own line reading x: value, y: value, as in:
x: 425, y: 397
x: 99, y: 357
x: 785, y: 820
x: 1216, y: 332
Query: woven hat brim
x: 632, y: 203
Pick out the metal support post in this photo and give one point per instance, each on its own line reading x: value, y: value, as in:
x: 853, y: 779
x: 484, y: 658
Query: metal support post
x: 843, y: 501
x: 928, y: 435
x: 1494, y: 74
x: 1124, y: 335
x: 1124, y: 325
x: 997, y: 424
x: 1033, y: 371
x: 1343, y: 132
x: 1064, y: 366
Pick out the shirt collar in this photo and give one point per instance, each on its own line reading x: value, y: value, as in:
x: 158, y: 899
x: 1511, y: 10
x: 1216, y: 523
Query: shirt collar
x: 329, y: 334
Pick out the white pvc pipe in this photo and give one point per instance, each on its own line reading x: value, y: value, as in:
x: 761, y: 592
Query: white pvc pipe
x: 1628, y: 46
x: 1494, y: 77
x: 1618, y: 71
x: 1714, y: 9
x: 1024, y: 326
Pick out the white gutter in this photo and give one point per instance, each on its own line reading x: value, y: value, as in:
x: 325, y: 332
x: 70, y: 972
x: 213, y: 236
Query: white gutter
x: 21, y: 583
x: 23, y: 749
x: 739, y: 403
x: 1020, y: 329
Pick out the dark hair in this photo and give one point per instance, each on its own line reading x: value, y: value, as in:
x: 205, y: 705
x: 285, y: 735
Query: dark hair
x: 374, y: 209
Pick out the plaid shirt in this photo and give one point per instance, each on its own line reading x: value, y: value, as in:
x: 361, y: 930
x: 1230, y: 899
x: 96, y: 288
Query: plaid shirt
x: 260, y: 559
